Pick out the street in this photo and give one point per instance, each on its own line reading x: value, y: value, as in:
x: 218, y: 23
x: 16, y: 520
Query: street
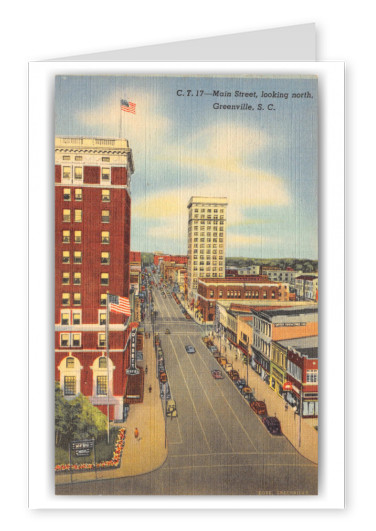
x: 216, y: 444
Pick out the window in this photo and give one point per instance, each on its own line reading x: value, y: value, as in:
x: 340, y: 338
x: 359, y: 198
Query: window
x: 103, y: 299
x: 77, y: 278
x: 105, y: 237
x: 66, y: 236
x: 66, y: 215
x: 69, y: 363
x: 105, y: 195
x: 106, y: 175
x: 101, y: 342
x: 64, y: 340
x: 78, y: 157
x: 66, y: 157
x: 78, y: 216
x: 65, y: 299
x: 77, y: 299
x: 67, y: 173
x: 76, y: 340
x: 66, y: 278
x: 220, y: 293
x: 102, y: 385
x: 77, y: 317
x: 105, y: 216
x: 77, y: 236
x: 78, y: 173
x: 69, y: 385
x: 78, y: 194
x: 105, y: 279
x: 312, y: 376
x: 102, y: 318
x: 66, y: 257
x: 77, y: 258
x: 64, y: 318
x: 67, y: 194
x: 105, y: 258
x: 102, y: 363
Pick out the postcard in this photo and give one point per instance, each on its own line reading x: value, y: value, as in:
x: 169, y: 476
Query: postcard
x: 186, y: 284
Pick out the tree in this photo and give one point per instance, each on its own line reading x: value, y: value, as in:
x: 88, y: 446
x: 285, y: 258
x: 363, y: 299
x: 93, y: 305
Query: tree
x: 76, y: 418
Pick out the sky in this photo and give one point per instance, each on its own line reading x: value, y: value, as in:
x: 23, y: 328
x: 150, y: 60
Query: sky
x: 263, y: 160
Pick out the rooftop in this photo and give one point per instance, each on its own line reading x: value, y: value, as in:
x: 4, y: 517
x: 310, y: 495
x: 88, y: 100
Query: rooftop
x: 301, y: 343
x: 250, y: 279
x: 288, y: 311
x: 207, y: 200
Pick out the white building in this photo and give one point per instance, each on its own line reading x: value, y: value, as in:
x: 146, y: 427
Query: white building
x: 206, y: 239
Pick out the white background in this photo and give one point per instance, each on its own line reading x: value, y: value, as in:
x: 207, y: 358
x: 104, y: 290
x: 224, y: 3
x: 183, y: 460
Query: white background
x: 44, y: 29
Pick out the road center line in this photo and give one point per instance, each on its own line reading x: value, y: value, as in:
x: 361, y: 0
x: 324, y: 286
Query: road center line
x: 190, y: 396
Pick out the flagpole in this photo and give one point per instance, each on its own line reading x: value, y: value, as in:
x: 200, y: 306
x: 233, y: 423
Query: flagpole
x: 120, y: 121
x: 108, y: 369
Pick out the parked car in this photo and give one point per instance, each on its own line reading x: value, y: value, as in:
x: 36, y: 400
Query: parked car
x: 190, y: 349
x: 162, y: 377
x: 259, y: 407
x: 213, y: 349
x: 273, y: 425
x: 187, y: 316
x: 222, y: 361
x: 228, y: 367
x: 162, y: 388
x: 217, y: 374
x: 234, y: 375
x: 171, y: 409
x: 240, y: 383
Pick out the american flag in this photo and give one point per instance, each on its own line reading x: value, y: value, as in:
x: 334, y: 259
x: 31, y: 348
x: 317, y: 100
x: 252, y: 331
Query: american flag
x: 128, y: 106
x: 119, y: 304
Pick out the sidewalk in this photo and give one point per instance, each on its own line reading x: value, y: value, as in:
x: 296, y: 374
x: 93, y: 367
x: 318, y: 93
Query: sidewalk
x: 275, y: 406
x: 148, y: 452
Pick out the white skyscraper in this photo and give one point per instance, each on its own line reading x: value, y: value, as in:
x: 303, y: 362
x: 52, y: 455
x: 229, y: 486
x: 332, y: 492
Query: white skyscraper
x: 206, y: 239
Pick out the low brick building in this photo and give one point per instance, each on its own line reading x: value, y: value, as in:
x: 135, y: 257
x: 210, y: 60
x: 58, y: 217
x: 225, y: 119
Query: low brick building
x: 245, y: 288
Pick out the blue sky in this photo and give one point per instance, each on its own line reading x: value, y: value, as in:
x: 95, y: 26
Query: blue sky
x: 264, y: 162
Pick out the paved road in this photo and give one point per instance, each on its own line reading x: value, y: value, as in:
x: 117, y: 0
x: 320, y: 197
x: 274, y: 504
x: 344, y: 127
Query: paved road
x: 217, y: 445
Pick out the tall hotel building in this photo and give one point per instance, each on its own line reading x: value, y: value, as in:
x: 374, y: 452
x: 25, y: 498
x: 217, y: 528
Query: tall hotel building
x: 92, y: 250
x: 206, y: 239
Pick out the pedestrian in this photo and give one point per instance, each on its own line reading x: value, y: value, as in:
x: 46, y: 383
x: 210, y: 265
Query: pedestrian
x: 150, y: 388
x: 136, y: 433
x: 146, y: 369
x: 286, y: 406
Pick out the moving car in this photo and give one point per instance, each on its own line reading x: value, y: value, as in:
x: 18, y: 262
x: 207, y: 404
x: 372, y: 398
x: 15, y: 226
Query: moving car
x: 217, y: 374
x: 167, y: 331
x: 273, y: 425
x: 190, y: 349
x: 259, y: 407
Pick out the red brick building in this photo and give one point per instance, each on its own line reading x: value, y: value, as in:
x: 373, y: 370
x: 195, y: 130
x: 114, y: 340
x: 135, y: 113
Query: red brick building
x: 92, y: 255
x: 245, y: 288
x: 178, y: 259
x: 303, y: 373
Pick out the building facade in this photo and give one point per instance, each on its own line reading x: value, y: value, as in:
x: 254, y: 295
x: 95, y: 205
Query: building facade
x: 237, y: 289
x: 206, y: 239
x: 92, y: 251
x: 277, y: 325
x: 306, y: 287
